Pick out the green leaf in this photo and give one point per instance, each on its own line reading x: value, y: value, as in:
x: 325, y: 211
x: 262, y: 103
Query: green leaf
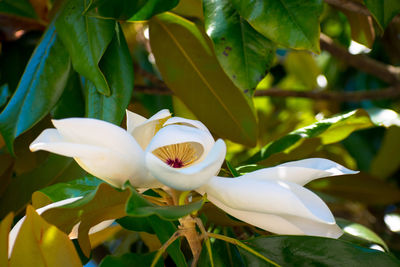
x: 129, y: 260
x: 164, y: 230
x: 41, y: 244
x: 138, y: 206
x: 362, y: 29
x: 359, y: 234
x: 291, y: 23
x: 105, y: 203
x: 244, y: 54
x: 294, y: 65
x: 137, y: 224
x: 39, y: 89
x: 54, y: 169
x: 329, y: 131
x: 189, y: 67
x: 361, y: 187
x: 129, y: 10
x: 4, y: 94
x: 5, y: 227
x: 387, y: 160
x: 117, y: 67
x: 383, y: 11
x: 224, y: 254
x: 22, y: 8
x: 60, y: 191
x: 86, y: 39
x: 315, y: 251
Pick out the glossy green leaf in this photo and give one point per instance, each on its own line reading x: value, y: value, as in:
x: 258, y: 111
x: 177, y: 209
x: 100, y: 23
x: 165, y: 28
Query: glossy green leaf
x: 361, y: 187
x: 189, y: 67
x: 137, y: 224
x: 129, y: 260
x: 86, y: 39
x: 138, y: 206
x: 129, y: 10
x: 60, y: 191
x: 117, y: 67
x: 164, y: 230
x: 387, y: 160
x: 244, y: 54
x: 315, y: 251
x: 329, y: 130
x: 294, y: 65
x: 291, y: 23
x: 39, y: 89
x: 21, y: 8
x: 105, y: 203
x: 4, y: 94
x: 54, y: 169
x: 383, y: 11
x: 224, y: 254
x: 358, y: 233
x: 41, y: 244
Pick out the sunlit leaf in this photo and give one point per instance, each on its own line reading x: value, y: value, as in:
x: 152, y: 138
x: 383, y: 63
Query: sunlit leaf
x: 39, y: 89
x: 362, y: 28
x: 189, y: 67
x: 292, y: 23
x: 244, y: 54
x: 383, y: 11
x: 105, y: 203
x: 42, y: 244
x: 5, y: 227
x: 86, y: 39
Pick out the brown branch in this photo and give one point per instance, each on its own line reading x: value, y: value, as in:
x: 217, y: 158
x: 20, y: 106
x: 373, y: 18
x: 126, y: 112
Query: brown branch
x: 391, y: 92
x: 387, y: 73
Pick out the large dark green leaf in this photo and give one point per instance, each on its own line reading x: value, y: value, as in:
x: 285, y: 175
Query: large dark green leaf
x: 314, y: 251
x: 189, y: 67
x: 329, y: 131
x: 244, y: 54
x: 129, y: 260
x: 128, y: 9
x: 117, y: 67
x: 86, y: 39
x: 54, y: 169
x: 383, y: 11
x: 4, y: 94
x: 138, y: 206
x: 21, y: 8
x: 292, y: 23
x: 39, y: 89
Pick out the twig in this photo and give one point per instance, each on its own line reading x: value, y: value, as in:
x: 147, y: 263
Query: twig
x: 387, y: 73
x: 391, y: 92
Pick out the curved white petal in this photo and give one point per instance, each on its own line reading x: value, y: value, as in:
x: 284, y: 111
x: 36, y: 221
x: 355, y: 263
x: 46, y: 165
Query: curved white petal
x: 301, y: 171
x: 176, y: 134
x: 15, y: 230
x: 187, y: 122
x: 144, y: 131
x: 278, y: 197
x: 285, y: 225
x: 191, y: 177
x: 133, y: 120
x: 114, y: 160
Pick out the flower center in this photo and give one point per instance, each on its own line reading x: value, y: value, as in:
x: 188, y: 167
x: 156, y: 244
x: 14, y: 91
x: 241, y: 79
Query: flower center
x: 177, y: 155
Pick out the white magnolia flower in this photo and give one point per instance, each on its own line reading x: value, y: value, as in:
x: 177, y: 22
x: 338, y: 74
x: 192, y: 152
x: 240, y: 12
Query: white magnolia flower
x: 74, y: 232
x: 183, y: 155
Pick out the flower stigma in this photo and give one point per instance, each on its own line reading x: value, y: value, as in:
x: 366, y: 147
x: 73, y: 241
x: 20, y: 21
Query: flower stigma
x: 177, y: 155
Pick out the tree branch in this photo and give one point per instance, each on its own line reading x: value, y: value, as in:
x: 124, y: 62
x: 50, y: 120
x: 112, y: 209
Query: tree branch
x: 387, y: 73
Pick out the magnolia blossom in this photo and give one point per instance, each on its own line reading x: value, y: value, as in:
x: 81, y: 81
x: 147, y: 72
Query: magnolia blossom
x: 182, y: 154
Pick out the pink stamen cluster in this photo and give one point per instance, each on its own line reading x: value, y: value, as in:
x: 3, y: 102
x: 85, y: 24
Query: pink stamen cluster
x: 175, y: 163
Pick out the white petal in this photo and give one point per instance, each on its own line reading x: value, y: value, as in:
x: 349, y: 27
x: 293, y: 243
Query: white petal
x: 302, y: 171
x: 144, y: 132
x: 187, y: 122
x: 15, y: 230
x: 289, y: 225
x: 190, y: 177
x: 175, y: 134
x: 133, y: 120
x: 269, y: 196
x: 97, y: 228
x: 102, y: 149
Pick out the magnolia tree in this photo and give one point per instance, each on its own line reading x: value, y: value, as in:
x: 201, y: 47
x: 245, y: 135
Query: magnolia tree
x: 199, y: 132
